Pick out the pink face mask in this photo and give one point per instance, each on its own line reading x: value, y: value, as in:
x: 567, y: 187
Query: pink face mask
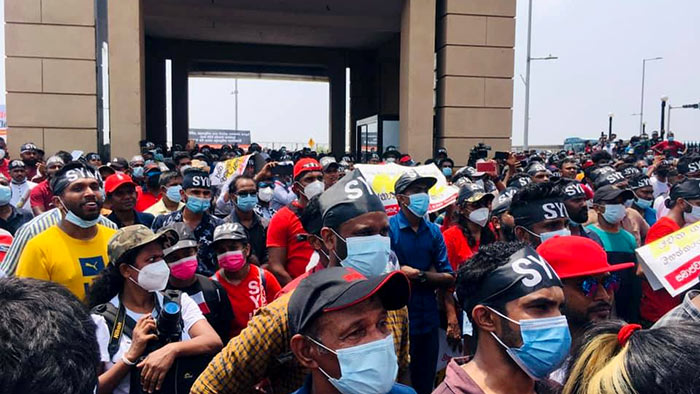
x: 184, y: 268
x: 232, y: 261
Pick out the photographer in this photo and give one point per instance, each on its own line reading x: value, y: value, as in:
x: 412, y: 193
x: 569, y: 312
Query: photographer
x: 128, y: 292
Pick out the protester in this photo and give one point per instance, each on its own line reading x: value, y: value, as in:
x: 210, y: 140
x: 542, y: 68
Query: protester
x: 197, y: 194
x: 539, y: 213
x: 266, y: 191
x: 512, y: 298
x: 94, y: 159
x: 73, y: 251
x: 126, y: 302
x: 501, y: 221
x: 576, y: 202
x: 48, y: 340
x: 121, y: 195
x: 287, y: 254
x: 21, y: 187
x: 149, y: 188
x: 643, y: 198
x: 170, y: 183
x: 670, y: 146
x: 336, y: 301
x: 41, y: 197
x: 330, y: 170
x: 29, y: 154
x: 243, y: 192
x: 420, y: 247
x: 568, y: 168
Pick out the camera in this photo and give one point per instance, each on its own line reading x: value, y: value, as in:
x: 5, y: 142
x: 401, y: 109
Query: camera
x: 479, y: 151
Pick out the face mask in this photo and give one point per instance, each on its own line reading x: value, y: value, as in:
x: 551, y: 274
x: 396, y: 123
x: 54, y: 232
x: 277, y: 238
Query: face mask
x: 370, y: 368
x: 614, y: 213
x: 197, y: 205
x: 77, y: 220
x: 692, y: 216
x: 418, y: 204
x: 565, y: 232
x: 368, y: 255
x: 137, y: 172
x: 644, y: 170
x: 5, y: 194
x: 546, y: 343
x: 247, y: 203
x: 184, y: 268
x: 265, y: 194
x: 642, y: 203
x: 480, y: 216
x: 2, y: 154
x: 232, y: 261
x: 313, y: 189
x: 628, y: 203
x: 153, y: 277
x: 173, y: 193
x: 670, y: 139
x: 447, y: 171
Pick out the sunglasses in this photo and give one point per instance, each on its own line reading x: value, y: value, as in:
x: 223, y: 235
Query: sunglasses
x: 589, y: 286
x: 246, y: 194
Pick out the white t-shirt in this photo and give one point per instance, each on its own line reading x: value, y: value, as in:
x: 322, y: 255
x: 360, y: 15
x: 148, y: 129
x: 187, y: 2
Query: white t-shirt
x: 660, y: 206
x: 20, y: 191
x: 191, y: 314
x: 658, y: 186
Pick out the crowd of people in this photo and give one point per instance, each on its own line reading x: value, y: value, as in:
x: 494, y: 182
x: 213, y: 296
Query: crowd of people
x: 142, y: 275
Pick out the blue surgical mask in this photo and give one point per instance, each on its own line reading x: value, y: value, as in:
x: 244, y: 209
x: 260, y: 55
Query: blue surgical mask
x: 369, y: 255
x: 246, y: 203
x: 447, y: 171
x: 370, y: 368
x: 5, y: 194
x: 173, y: 193
x: 628, y: 203
x: 137, y: 172
x: 614, y: 213
x: 546, y: 343
x: 197, y: 205
x: 642, y: 203
x: 565, y: 232
x: 77, y: 220
x: 670, y: 139
x: 419, y: 203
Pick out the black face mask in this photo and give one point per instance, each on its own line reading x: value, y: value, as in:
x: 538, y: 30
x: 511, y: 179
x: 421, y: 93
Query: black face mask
x: 30, y: 162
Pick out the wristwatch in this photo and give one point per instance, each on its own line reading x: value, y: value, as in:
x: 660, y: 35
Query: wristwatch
x: 422, y: 278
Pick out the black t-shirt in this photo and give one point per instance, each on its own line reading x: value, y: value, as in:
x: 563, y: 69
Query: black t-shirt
x: 212, y: 300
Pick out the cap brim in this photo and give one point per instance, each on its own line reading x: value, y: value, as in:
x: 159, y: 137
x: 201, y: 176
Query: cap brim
x: 602, y: 270
x: 231, y: 237
x: 478, y: 196
x: 188, y: 243
x: 393, y: 290
x: 423, y: 180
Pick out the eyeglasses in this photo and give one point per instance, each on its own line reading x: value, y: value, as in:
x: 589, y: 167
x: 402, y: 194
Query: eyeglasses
x: 589, y: 286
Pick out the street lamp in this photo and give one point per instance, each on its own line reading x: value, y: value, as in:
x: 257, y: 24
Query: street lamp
x: 610, y: 118
x: 684, y: 106
x: 641, y: 110
x: 662, y: 130
x: 527, y: 76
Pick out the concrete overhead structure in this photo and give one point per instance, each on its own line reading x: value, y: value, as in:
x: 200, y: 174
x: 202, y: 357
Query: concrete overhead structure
x: 90, y: 74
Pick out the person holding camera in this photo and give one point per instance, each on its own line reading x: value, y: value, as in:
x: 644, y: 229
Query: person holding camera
x: 128, y: 307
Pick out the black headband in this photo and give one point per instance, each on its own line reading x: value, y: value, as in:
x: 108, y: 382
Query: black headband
x: 573, y: 190
x: 193, y: 179
x: 523, y: 274
x: 537, y: 211
x: 66, y: 177
x: 348, y: 198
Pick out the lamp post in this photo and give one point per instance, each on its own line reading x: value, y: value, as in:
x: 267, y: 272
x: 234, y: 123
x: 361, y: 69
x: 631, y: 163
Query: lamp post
x: 684, y: 106
x: 662, y: 130
x: 527, y: 76
x: 610, y: 118
x: 641, y: 109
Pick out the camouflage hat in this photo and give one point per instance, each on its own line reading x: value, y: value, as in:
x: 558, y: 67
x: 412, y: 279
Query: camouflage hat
x: 130, y: 237
x: 186, y: 238
x: 232, y: 231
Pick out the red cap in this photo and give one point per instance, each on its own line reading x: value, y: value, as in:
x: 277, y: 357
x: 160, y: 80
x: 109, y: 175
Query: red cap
x: 305, y: 165
x: 577, y: 256
x: 5, y: 242
x: 114, y: 181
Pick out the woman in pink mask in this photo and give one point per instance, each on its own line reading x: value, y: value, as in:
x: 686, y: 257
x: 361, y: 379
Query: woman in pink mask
x: 209, y: 295
x: 248, y: 286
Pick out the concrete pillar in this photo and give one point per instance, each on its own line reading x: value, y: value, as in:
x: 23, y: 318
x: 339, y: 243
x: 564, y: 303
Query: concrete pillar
x: 180, y: 92
x: 155, y: 98
x: 50, y: 74
x: 336, y: 105
x: 417, y: 78
x: 126, y: 77
x: 475, y: 75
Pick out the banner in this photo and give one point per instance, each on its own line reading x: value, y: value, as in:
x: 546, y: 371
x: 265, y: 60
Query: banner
x: 220, y: 136
x: 383, y: 176
x: 673, y: 262
x: 225, y: 170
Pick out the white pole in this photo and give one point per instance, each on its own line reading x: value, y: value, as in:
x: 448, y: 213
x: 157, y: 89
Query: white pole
x: 641, y: 107
x: 527, y: 79
x: 235, y: 92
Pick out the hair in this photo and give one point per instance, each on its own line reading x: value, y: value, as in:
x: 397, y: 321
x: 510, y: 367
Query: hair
x: 49, y: 342
x: 177, y: 156
x: 110, y: 281
x: 486, y: 237
x: 566, y: 160
x: 233, y: 186
x: 654, y: 361
x: 65, y: 156
x: 600, y: 155
x: 167, y: 177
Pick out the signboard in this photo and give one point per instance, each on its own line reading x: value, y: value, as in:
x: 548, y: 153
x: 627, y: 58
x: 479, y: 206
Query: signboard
x: 220, y: 136
x: 383, y: 176
x: 225, y: 170
x: 673, y: 262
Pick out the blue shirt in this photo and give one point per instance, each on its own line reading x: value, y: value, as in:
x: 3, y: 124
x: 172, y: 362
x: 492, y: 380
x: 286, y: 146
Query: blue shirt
x: 650, y: 216
x: 421, y: 250
x: 397, y: 389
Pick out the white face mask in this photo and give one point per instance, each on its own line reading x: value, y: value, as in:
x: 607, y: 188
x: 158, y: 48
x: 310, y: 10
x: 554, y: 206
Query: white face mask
x: 692, y: 216
x: 313, y: 189
x: 265, y: 194
x: 480, y: 216
x: 153, y: 277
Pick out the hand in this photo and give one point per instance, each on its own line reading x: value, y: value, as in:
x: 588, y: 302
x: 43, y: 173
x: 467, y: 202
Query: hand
x: 41, y: 168
x: 512, y: 160
x: 266, y: 171
x: 142, y: 333
x: 155, y: 366
x: 454, y: 335
x: 410, y: 272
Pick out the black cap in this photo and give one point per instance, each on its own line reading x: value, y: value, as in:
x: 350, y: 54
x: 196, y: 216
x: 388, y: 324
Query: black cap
x: 348, y: 198
x: 688, y: 189
x: 186, y: 238
x: 689, y: 164
x: 328, y: 162
x: 93, y: 156
x: 337, y: 288
x: 609, y: 193
x: 232, y: 231
x: 471, y: 192
x: 630, y: 171
x: 639, y: 181
x: 119, y: 164
x: 611, y: 178
x: 410, y: 177
x: 502, y: 203
x: 28, y: 147
x: 16, y: 164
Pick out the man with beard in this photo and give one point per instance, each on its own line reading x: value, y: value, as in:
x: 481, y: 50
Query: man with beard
x: 20, y: 186
x: 74, y: 251
x: 41, y: 197
x: 589, y: 282
x: 501, y: 220
x: 575, y: 202
x: 29, y: 155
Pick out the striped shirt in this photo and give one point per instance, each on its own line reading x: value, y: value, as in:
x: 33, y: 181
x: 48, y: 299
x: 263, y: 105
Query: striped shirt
x: 30, y: 230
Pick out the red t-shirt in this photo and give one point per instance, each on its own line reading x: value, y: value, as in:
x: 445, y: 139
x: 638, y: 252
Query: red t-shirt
x: 41, y: 196
x: 5, y: 168
x: 144, y: 200
x: 458, y: 250
x: 655, y: 304
x: 289, y: 287
x: 674, y: 146
x: 282, y: 233
x: 246, y: 297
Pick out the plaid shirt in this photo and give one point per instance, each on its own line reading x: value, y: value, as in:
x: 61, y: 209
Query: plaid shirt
x: 262, y: 351
x: 684, y: 312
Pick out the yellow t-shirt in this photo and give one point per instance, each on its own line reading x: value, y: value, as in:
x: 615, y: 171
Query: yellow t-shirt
x: 54, y: 256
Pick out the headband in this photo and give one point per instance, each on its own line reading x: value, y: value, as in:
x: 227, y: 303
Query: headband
x: 193, y: 179
x: 573, y: 190
x: 523, y: 274
x: 65, y: 178
x: 538, y: 211
x: 348, y: 198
